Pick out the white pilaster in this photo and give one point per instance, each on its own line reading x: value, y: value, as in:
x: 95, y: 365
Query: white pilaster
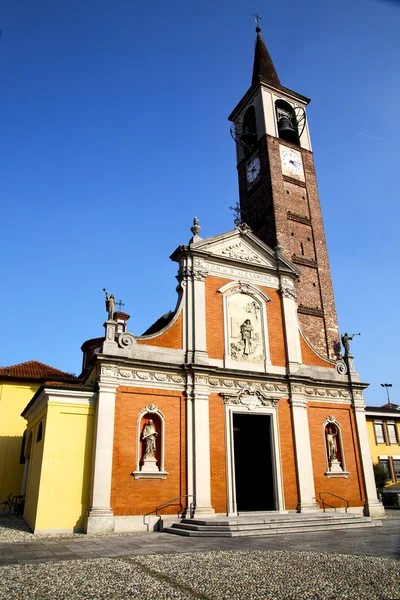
x: 199, y: 298
x: 100, y: 516
x: 201, y: 449
x: 293, y: 347
x: 305, y: 476
x: 373, y: 507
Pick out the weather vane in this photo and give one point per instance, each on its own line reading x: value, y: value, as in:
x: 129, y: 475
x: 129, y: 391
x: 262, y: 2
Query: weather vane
x: 258, y: 18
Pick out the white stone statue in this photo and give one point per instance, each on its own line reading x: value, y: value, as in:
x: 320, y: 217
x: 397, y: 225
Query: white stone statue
x: 247, y: 333
x: 149, y: 437
x: 331, y: 442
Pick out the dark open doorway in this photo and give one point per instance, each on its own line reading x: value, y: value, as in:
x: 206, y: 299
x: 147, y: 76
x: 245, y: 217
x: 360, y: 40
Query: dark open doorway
x: 253, y: 462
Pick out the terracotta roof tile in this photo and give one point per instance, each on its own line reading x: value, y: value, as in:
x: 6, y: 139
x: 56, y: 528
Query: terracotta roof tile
x: 35, y: 370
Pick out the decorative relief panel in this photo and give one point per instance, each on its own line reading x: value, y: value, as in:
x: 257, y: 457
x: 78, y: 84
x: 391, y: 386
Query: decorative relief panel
x: 245, y: 328
x: 240, y: 251
x: 251, y: 398
x: 130, y: 374
x: 242, y: 385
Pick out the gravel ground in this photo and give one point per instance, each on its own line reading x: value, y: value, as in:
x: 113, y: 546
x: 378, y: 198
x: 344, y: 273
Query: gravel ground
x: 229, y: 575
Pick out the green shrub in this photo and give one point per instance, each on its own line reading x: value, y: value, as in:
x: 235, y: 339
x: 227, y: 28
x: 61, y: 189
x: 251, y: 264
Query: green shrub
x: 381, y: 477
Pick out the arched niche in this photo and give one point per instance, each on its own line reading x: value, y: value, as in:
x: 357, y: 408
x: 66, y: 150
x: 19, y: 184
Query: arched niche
x: 334, y: 452
x: 245, y: 324
x: 150, y: 444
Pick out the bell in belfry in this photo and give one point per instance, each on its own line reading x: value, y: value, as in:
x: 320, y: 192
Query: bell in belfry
x: 286, y: 129
x: 249, y: 135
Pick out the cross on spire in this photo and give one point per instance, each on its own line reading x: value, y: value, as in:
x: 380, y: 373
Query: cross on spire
x: 120, y: 304
x: 258, y: 18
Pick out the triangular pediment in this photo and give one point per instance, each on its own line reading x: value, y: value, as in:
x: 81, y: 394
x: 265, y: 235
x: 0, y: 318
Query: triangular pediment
x: 240, y: 248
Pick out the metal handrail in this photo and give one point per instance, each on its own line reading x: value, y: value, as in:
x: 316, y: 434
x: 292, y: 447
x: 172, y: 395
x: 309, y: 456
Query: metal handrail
x: 169, y: 502
x: 336, y: 496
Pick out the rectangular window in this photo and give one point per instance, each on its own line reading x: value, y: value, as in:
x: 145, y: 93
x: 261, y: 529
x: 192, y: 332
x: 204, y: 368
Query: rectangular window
x: 396, y: 468
x: 380, y: 437
x: 385, y: 464
x: 391, y: 427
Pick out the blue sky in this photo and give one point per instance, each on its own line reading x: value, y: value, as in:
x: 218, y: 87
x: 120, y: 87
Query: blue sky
x: 115, y: 134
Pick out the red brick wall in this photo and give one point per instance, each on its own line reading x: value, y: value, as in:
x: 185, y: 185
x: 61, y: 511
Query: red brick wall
x: 310, y: 358
x: 215, y: 317
x: 172, y: 338
x: 352, y: 488
x: 218, y: 454
x: 276, y: 337
x: 136, y: 497
x: 286, y: 438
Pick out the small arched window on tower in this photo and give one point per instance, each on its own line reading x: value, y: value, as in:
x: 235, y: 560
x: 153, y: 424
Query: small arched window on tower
x: 287, y: 122
x: 249, y: 131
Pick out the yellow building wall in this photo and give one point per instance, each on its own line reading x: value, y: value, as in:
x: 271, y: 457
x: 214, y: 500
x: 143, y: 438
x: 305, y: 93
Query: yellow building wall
x: 34, y: 453
x: 66, y: 468
x: 381, y: 449
x: 14, y: 396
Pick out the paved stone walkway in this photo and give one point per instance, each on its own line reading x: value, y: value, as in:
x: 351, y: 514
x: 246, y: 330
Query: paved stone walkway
x: 378, y: 541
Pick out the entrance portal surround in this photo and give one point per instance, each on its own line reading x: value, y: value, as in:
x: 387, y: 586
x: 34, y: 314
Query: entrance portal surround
x: 256, y: 403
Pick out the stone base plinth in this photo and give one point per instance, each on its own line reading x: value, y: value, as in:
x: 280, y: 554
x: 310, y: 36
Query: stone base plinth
x: 374, y: 509
x: 308, y: 507
x: 335, y: 466
x: 149, y: 465
x: 99, y: 521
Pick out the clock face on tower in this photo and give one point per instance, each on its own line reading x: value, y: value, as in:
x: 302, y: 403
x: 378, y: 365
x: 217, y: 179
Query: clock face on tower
x: 252, y: 170
x: 292, y: 163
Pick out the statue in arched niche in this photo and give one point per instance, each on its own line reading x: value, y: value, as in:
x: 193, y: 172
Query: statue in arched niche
x: 149, y: 437
x: 331, y: 434
x: 333, y: 447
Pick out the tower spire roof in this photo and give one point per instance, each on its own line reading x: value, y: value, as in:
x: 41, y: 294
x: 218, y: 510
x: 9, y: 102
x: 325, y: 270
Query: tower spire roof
x: 263, y: 66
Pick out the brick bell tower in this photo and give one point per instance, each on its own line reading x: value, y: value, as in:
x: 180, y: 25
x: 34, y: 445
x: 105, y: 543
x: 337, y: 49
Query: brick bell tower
x: 278, y: 192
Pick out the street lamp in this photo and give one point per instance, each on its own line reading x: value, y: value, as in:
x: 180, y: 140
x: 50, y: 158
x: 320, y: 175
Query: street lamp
x: 387, y: 386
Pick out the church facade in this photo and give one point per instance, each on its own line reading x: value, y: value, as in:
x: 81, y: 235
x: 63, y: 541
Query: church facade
x: 239, y: 401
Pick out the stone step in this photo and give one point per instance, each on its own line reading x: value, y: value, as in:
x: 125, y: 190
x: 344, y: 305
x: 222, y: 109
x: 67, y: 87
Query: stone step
x: 267, y: 526
x: 271, y: 525
x: 279, y: 519
x: 262, y: 531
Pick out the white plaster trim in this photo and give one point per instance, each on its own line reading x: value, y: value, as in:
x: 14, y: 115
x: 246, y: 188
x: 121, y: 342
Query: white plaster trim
x: 128, y: 376
x: 236, y: 286
x: 150, y: 475
x: 321, y: 356
x: 271, y: 411
x: 178, y: 310
x: 384, y: 456
x: 65, y: 395
x: 343, y: 474
x: 217, y: 270
x: 381, y: 415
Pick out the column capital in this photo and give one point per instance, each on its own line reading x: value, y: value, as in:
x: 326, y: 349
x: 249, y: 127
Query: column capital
x: 108, y: 386
x: 298, y: 402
